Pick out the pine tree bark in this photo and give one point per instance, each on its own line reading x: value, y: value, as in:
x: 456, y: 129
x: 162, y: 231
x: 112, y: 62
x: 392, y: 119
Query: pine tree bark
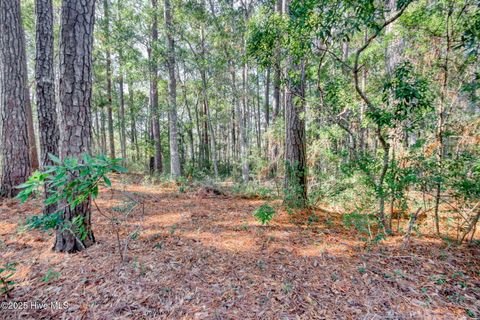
x: 172, y: 93
x: 76, y: 41
x: 45, y: 89
x: 295, y: 143
x: 157, y: 161
x: 14, y: 100
x: 31, y: 134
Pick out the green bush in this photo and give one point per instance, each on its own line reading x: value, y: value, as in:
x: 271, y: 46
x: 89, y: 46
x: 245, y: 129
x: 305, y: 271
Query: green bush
x: 264, y: 214
x: 68, y: 183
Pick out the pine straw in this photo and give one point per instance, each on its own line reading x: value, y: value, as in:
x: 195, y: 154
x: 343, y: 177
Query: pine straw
x: 207, y: 258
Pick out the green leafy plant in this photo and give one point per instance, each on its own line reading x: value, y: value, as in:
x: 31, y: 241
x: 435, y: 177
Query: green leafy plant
x: 51, y: 275
x: 6, y: 272
x: 365, y: 225
x: 69, y: 183
x: 264, y: 214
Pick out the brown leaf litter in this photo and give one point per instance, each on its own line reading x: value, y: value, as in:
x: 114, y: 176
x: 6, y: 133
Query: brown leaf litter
x: 198, y: 256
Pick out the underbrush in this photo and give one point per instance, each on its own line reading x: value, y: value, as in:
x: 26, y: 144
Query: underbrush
x: 255, y: 190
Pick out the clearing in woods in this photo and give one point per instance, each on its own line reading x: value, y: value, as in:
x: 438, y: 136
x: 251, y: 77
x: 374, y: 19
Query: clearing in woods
x: 197, y: 255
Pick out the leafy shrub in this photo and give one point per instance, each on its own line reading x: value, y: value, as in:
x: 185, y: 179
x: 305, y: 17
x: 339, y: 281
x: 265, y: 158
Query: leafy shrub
x: 365, y: 224
x: 264, y: 214
x: 253, y: 191
x: 69, y: 183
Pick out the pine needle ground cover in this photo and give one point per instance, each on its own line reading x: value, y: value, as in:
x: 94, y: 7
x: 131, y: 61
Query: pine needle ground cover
x: 205, y: 256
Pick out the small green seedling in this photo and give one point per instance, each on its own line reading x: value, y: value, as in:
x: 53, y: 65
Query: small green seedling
x: 6, y: 285
x: 264, y: 214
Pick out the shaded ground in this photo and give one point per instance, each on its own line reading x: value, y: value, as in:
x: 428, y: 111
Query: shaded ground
x: 193, y: 256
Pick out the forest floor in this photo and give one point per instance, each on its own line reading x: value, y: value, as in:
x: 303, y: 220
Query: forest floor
x: 196, y: 255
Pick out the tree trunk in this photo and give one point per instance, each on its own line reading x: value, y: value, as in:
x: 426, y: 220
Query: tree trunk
x: 190, y: 119
x: 277, y: 74
x: 133, y: 123
x: 14, y: 100
x: 242, y: 124
x: 295, y: 144
x: 158, y: 163
x: 204, y: 144
x: 31, y: 135
x: 172, y: 93
x: 440, y: 124
x: 106, y: 9
x: 45, y: 90
x: 199, y: 134
x: 96, y: 144
x: 123, y: 134
x: 103, y: 134
x: 214, y: 144
x: 381, y: 180
x: 267, y: 109
x: 258, y: 117
x: 76, y: 42
x: 295, y: 135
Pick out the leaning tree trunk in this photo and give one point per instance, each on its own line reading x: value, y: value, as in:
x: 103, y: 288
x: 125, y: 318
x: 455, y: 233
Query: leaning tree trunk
x: 172, y: 93
x: 14, y: 100
x: 45, y: 90
x: 76, y: 41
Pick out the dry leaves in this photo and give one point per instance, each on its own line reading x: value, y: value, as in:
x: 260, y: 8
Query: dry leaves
x: 205, y: 257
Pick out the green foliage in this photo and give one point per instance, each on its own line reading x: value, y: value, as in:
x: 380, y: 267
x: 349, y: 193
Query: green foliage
x: 264, y: 214
x: 253, y: 191
x: 471, y: 35
x: 264, y: 36
x: 365, y: 225
x: 407, y: 96
x: 463, y: 176
x: 68, y: 183
x: 44, y: 222
x: 50, y: 276
x: 6, y: 272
